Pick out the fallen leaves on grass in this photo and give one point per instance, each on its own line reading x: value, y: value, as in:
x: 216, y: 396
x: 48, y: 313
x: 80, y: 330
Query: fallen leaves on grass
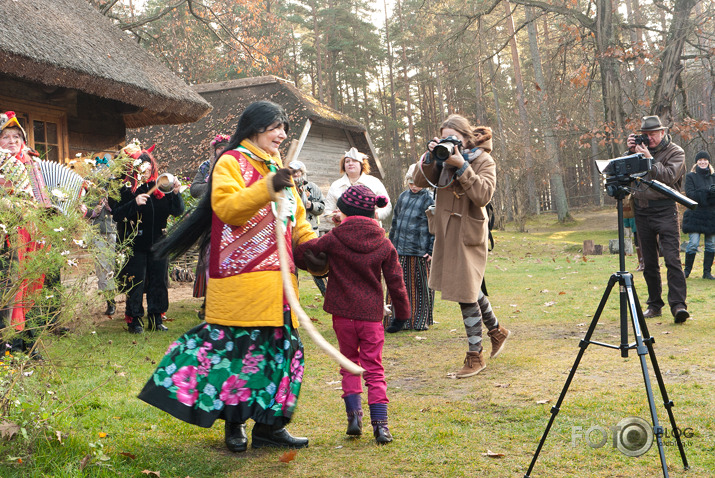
x: 128, y: 455
x: 503, y: 385
x: 491, y: 454
x: 152, y: 473
x: 8, y: 429
x: 84, y: 461
x: 417, y: 337
x: 58, y: 434
x: 541, y: 402
x: 102, y: 435
x: 549, y: 303
x: 288, y: 456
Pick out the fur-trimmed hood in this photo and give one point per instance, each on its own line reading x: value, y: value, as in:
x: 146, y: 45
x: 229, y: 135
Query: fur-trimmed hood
x: 483, y: 138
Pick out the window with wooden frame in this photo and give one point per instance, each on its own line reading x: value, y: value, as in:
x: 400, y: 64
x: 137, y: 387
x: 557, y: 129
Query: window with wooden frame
x: 45, y: 126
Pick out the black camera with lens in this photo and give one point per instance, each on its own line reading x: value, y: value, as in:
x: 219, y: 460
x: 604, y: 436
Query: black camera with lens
x: 642, y: 139
x: 445, y: 148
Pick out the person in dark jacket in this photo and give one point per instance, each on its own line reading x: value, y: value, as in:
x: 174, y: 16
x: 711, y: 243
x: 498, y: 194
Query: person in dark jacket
x: 700, y: 187
x: 410, y: 235
x: 358, y: 255
x: 141, y: 219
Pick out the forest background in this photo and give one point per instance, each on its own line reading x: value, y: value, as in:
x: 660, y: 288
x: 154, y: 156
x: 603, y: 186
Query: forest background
x: 561, y: 82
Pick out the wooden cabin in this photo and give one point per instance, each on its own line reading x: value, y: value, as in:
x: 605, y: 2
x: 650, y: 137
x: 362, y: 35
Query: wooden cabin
x: 321, y: 135
x: 77, y: 82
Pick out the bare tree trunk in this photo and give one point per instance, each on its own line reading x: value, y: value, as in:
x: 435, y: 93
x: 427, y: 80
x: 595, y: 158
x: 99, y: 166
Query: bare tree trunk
x: 671, y: 66
x: 505, y: 193
x: 558, y: 192
x: 523, y: 116
x: 318, y: 53
x: 440, y: 93
x: 610, y: 77
x: 393, y: 107
x: 408, y: 96
x: 633, y: 12
x: 596, y: 179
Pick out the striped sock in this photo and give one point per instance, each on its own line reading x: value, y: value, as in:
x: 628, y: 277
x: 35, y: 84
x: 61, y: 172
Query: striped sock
x: 378, y: 415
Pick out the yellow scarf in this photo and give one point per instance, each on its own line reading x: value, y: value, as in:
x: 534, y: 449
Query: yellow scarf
x: 261, y: 154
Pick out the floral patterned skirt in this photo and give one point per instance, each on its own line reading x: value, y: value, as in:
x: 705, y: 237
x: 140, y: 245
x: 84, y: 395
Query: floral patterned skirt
x: 231, y: 373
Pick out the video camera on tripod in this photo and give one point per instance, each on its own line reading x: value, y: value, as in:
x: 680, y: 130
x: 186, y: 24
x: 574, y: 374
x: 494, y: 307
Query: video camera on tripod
x: 620, y: 172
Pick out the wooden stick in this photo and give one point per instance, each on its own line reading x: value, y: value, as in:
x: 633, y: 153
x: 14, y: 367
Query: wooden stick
x: 303, y: 318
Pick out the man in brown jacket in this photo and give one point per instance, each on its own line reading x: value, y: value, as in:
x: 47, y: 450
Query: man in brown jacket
x: 657, y: 219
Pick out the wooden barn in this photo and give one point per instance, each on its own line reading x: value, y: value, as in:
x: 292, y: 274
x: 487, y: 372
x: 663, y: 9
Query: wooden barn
x: 319, y: 134
x: 77, y: 82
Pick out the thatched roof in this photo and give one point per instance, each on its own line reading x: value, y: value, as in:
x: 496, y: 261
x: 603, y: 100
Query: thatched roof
x: 182, y: 148
x: 286, y: 94
x: 67, y: 43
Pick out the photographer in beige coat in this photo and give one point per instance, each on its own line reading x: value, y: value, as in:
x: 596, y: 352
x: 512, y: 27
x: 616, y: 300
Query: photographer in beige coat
x: 465, y: 179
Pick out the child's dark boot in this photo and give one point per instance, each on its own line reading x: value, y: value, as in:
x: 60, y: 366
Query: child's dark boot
x: 353, y: 407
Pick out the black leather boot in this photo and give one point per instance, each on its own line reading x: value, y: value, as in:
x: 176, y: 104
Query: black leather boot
x: 689, y: 261
x: 707, y: 265
x: 111, y: 308
x: 155, y: 323
x: 382, y: 435
x: 236, y: 438
x: 395, y: 325
x: 135, y: 325
x: 266, y: 435
x: 354, y: 424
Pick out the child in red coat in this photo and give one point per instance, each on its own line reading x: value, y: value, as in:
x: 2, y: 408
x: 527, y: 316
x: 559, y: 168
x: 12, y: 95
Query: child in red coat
x: 358, y: 255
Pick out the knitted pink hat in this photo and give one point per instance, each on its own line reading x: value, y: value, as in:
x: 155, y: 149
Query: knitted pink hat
x: 360, y: 201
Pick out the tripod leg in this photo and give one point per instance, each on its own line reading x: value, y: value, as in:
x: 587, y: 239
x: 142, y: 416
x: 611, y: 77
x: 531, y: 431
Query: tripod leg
x: 642, y: 350
x: 667, y: 403
x: 583, y: 344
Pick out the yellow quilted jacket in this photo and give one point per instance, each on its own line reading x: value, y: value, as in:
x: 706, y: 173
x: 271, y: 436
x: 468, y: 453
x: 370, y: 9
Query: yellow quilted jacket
x: 252, y: 299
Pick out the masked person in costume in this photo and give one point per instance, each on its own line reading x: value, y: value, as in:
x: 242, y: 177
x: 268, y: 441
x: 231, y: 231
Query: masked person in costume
x: 246, y: 361
x: 20, y: 176
x: 141, y: 216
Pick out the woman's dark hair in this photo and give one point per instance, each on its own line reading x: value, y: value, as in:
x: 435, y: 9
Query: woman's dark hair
x: 196, y: 226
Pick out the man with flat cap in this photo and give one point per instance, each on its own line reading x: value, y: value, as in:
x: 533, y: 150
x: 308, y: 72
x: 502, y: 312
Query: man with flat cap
x: 657, y: 219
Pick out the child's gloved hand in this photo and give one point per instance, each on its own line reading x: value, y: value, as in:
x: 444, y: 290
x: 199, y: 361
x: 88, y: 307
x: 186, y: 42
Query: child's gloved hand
x: 315, y: 263
x: 387, y: 310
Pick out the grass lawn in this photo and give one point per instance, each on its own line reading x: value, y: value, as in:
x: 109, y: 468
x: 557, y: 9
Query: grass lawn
x: 541, y: 288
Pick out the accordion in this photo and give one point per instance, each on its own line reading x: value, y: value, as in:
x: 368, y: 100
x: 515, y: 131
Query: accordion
x: 64, y: 186
x: 50, y: 183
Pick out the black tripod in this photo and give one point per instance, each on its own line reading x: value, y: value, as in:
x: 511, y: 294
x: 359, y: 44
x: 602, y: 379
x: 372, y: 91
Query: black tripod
x: 643, y: 344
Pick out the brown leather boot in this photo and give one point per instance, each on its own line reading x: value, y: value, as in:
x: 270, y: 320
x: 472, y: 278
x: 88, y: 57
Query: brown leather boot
x: 498, y: 337
x: 473, y: 364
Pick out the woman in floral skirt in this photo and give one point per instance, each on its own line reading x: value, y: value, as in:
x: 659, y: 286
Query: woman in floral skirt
x: 246, y: 360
